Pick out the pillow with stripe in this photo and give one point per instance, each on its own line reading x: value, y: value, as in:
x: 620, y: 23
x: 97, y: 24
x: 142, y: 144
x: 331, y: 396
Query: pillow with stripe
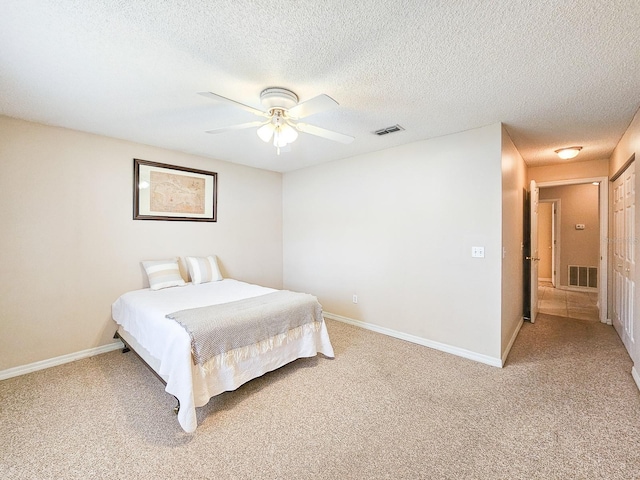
x: 203, y: 269
x: 163, y: 274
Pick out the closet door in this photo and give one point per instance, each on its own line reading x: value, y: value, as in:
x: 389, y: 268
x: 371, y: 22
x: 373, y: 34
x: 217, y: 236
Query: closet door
x: 623, y: 256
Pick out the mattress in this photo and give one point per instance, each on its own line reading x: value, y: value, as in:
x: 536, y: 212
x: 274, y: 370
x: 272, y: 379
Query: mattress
x: 166, y: 346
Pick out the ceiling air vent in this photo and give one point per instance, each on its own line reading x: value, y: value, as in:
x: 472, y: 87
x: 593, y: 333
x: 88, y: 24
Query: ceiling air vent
x: 392, y: 129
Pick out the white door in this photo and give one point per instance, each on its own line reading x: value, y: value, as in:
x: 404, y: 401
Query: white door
x: 554, y: 227
x: 623, y: 256
x: 534, y: 255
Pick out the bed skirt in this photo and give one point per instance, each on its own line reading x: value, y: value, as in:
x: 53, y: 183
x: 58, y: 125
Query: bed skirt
x: 230, y: 370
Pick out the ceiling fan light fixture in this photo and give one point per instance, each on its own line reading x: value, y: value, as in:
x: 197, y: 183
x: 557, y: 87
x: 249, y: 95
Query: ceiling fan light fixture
x: 278, y: 141
x: 281, y: 137
x: 569, y: 152
x: 288, y: 133
x: 266, y: 131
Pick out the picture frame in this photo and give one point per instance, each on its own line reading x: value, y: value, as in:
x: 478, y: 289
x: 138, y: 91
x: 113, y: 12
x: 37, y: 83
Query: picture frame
x: 171, y: 192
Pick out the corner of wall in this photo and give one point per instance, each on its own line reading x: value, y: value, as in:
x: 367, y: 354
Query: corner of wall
x: 513, y: 197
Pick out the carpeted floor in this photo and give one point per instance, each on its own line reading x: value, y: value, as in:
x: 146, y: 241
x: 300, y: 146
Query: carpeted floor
x: 565, y: 406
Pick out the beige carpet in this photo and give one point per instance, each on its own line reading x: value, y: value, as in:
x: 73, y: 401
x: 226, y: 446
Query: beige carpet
x: 565, y: 406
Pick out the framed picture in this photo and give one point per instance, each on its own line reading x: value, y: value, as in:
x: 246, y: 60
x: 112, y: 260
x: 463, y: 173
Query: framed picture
x: 168, y: 192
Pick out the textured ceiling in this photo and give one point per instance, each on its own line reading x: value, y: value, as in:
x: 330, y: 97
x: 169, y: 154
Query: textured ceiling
x: 556, y: 73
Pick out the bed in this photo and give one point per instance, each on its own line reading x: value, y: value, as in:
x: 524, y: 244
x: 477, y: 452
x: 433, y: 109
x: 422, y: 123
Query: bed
x: 168, y: 348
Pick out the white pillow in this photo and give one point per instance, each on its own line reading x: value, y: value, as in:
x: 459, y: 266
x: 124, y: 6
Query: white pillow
x: 203, y: 269
x: 163, y: 274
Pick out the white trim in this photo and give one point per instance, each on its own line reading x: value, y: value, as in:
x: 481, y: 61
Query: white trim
x: 572, y: 181
x: 549, y: 280
x: 636, y: 376
x: 513, y: 339
x: 53, y: 362
x: 571, y: 288
x: 443, y: 347
x: 604, y: 235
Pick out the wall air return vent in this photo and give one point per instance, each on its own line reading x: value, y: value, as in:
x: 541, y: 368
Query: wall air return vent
x: 392, y: 129
x: 580, y: 276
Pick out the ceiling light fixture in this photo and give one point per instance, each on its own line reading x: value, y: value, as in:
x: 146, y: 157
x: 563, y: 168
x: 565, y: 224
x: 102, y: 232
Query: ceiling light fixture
x: 279, y: 129
x: 569, y: 152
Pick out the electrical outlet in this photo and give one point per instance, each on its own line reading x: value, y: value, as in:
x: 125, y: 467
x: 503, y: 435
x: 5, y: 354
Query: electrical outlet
x: 355, y: 299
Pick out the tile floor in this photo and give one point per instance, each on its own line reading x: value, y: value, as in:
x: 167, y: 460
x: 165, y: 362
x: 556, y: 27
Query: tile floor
x: 567, y: 303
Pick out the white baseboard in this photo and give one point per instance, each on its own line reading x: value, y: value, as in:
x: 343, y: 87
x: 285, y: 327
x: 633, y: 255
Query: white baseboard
x: 513, y: 339
x: 443, y: 347
x: 577, y: 289
x: 636, y: 376
x: 53, y: 362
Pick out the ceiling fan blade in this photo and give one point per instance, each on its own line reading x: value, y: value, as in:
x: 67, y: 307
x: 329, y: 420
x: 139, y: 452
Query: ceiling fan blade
x: 240, y: 126
x: 324, y: 133
x: 220, y: 98
x: 314, y: 105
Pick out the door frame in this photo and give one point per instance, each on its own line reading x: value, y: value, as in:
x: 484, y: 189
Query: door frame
x: 603, y: 214
x: 534, y: 202
x: 555, y: 237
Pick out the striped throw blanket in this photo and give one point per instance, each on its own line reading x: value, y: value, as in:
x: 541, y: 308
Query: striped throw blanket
x: 217, y: 329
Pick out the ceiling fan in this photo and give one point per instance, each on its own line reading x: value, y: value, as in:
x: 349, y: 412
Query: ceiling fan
x: 280, y: 117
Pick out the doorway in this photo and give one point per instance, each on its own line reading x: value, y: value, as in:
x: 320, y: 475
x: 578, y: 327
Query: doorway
x: 560, y: 294
x: 548, y: 213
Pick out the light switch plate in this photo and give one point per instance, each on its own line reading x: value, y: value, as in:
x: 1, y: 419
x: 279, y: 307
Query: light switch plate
x: 477, y: 252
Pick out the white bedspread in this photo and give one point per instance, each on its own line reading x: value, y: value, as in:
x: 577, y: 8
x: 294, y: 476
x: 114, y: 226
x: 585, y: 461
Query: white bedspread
x: 142, y: 314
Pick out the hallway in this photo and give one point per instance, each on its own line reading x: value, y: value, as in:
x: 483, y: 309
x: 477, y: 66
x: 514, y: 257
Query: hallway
x: 567, y: 303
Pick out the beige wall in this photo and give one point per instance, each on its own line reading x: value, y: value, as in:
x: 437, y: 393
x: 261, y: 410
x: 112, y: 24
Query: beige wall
x: 578, y: 204
x: 69, y: 246
x: 513, y: 197
x: 396, y: 227
x: 569, y: 171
